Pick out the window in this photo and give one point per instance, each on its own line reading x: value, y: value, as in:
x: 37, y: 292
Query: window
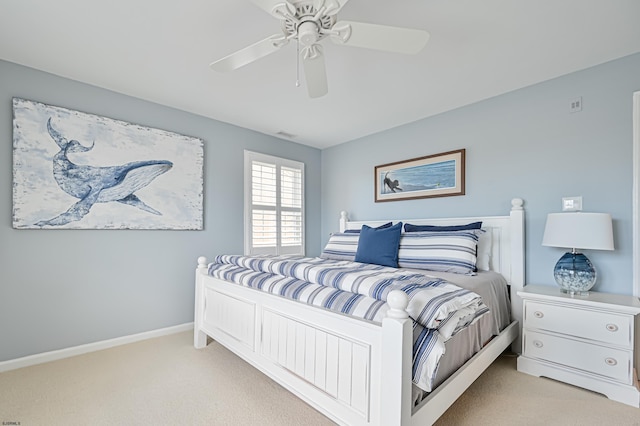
x: 274, y: 205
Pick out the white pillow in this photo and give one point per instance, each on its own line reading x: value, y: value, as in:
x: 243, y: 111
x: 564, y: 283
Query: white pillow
x: 485, y: 245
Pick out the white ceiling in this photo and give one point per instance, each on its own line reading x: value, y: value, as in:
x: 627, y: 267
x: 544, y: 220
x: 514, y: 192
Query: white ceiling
x: 160, y: 51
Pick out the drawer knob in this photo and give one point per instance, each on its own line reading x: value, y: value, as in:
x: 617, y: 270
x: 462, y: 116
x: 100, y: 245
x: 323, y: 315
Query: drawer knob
x: 538, y: 314
x: 610, y: 361
x: 538, y: 343
x: 612, y: 327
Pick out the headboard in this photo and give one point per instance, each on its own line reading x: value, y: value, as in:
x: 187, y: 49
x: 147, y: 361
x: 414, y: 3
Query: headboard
x: 507, y: 247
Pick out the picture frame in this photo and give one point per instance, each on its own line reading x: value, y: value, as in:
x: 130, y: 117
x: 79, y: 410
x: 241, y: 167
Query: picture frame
x: 74, y: 170
x: 437, y: 175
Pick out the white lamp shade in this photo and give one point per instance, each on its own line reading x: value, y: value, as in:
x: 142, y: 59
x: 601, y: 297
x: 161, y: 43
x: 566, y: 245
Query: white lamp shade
x: 579, y: 231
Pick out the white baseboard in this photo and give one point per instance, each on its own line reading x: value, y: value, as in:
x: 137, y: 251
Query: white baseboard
x: 30, y: 360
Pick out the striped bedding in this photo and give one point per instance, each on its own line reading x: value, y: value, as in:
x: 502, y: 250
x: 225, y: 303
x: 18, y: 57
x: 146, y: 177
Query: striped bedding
x: 438, y: 308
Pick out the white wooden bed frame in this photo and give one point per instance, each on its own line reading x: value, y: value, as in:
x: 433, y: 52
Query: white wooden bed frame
x: 353, y: 371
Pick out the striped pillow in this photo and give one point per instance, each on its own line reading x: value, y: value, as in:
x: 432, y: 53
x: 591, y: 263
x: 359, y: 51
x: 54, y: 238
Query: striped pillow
x: 447, y: 251
x: 355, y: 231
x: 440, y: 228
x: 341, y: 246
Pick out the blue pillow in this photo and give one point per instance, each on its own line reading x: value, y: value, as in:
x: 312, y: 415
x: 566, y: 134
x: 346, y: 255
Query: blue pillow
x: 379, y: 245
x: 434, y: 228
x: 357, y: 231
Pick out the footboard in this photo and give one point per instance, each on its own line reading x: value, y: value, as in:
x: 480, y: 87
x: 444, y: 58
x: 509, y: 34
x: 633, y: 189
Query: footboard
x: 353, y: 371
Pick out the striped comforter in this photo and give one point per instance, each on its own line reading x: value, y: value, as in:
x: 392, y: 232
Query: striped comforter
x: 438, y: 308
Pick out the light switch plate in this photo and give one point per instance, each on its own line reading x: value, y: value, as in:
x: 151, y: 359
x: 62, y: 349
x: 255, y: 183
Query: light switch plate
x: 575, y: 104
x: 571, y: 204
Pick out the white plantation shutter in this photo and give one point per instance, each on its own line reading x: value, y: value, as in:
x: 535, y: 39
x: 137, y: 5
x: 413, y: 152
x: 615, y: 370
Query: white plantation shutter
x: 274, y: 215
x: 291, y: 206
x: 263, y: 204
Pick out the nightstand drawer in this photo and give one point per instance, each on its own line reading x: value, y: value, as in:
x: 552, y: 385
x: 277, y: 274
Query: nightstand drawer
x: 615, y: 364
x: 588, y: 324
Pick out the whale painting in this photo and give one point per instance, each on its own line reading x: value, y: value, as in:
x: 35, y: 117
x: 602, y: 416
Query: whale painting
x: 80, y: 171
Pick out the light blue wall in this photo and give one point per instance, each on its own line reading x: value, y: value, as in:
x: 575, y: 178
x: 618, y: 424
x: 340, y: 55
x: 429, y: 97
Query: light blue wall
x: 62, y: 288
x: 65, y: 288
x: 523, y: 144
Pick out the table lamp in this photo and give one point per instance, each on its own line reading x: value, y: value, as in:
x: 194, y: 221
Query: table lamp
x: 574, y: 272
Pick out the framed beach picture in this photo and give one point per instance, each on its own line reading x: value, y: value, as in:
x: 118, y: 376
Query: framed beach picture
x: 73, y: 170
x: 438, y: 175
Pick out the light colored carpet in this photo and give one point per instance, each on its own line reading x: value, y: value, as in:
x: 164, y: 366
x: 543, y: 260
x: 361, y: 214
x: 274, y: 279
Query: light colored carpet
x: 504, y: 396
x: 165, y: 381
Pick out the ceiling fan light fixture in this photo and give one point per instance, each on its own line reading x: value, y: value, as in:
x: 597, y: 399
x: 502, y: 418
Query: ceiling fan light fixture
x: 312, y: 52
x: 283, y: 10
x: 341, y: 32
x: 332, y: 6
x: 308, y: 33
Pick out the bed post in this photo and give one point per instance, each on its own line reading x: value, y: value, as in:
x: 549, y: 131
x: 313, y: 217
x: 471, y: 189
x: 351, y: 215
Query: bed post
x: 199, y: 336
x: 517, y: 266
x: 397, y: 348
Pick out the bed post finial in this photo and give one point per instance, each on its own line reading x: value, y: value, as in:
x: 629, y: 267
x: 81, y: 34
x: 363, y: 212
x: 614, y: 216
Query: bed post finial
x: 344, y: 218
x: 517, y: 203
x: 202, y: 262
x: 398, y: 302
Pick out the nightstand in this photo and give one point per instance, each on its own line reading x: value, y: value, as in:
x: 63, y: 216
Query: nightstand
x: 588, y: 341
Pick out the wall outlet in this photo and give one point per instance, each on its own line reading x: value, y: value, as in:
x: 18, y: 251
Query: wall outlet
x: 571, y: 204
x: 575, y: 104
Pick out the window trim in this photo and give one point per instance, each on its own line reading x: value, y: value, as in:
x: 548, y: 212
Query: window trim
x: 249, y: 157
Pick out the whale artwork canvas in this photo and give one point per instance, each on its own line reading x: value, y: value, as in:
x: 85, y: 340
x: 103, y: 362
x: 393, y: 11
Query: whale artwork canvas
x: 73, y: 170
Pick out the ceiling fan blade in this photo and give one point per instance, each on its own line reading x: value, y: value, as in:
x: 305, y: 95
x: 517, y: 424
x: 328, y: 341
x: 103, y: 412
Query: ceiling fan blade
x: 315, y: 72
x: 276, y: 8
x: 379, y: 37
x: 250, y: 53
x: 334, y: 6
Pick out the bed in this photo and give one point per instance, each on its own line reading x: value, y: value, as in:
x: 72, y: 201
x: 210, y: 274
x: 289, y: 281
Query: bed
x: 359, y: 371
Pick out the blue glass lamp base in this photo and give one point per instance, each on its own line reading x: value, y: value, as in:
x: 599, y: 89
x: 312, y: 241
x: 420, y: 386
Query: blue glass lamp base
x: 575, y: 274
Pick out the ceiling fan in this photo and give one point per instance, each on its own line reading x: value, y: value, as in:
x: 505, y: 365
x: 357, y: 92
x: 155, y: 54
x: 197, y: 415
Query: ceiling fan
x: 309, y: 22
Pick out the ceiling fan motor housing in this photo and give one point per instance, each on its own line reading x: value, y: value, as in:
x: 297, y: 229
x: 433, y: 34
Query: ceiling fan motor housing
x: 308, y: 33
x: 306, y: 24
